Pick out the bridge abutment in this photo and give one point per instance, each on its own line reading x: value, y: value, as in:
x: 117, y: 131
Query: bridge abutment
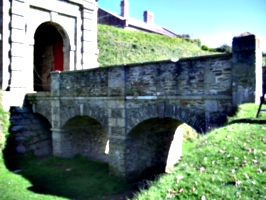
x: 247, y: 69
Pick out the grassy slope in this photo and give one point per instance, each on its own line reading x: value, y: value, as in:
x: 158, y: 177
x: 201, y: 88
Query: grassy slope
x: 118, y: 46
x: 227, y: 163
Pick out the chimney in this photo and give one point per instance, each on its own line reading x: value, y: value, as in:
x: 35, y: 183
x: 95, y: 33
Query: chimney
x: 148, y: 17
x: 124, y: 8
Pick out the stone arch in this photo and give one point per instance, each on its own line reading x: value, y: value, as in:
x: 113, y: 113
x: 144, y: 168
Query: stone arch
x: 51, y: 53
x: 162, y: 110
x: 42, y: 107
x: 85, y: 136
x: 83, y: 109
x: 147, y: 147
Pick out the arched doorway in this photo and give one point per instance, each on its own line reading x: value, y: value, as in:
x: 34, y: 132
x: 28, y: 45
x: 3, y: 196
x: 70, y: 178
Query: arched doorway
x: 51, y: 53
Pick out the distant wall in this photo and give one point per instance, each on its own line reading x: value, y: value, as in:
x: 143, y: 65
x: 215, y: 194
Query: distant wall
x: 109, y: 19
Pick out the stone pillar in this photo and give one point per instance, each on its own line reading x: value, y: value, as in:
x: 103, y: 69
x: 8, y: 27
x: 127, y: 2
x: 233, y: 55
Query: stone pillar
x: 116, y: 136
x: 247, y: 69
x: 57, y: 132
x: 62, y: 146
x: 117, y: 156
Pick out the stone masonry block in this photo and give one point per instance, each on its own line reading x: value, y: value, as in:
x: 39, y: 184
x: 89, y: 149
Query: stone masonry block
x: 120, y: 103
x: 112, y: 122
x: 111, y: 104
x: 211, y: 105
x: 121, y: 122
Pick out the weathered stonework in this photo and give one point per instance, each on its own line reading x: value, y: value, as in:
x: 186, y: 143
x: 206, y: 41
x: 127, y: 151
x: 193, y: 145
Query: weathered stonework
x: 138, y: 107
x: 247, y: 71
x: 31, y: 131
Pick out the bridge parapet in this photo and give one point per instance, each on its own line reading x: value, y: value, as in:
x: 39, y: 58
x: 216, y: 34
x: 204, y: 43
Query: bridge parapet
x: 201, y: 85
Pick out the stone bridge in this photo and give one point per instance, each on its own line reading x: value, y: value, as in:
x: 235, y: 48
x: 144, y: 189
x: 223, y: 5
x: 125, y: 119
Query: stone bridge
x: 137, y: 108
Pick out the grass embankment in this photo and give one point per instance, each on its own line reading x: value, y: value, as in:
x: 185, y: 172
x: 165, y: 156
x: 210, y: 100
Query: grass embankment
x: 119, y: 46
x: 227, y: 163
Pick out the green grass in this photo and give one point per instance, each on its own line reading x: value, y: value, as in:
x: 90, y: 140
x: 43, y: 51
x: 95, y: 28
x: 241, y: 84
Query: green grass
x: 58, y: 178
x: 118, y: 46
x: 227, y: 163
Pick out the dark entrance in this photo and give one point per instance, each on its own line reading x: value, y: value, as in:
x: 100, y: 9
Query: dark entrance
x: 48, y: 54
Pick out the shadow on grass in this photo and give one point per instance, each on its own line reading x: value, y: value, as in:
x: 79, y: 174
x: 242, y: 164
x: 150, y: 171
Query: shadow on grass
x: 73, y: 178
x: 247, y: 121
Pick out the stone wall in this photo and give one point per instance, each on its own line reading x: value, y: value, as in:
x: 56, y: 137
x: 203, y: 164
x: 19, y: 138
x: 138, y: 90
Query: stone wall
x: 31, y: 132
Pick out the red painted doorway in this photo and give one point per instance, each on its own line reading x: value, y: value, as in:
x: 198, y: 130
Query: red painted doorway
x: 48, y: 55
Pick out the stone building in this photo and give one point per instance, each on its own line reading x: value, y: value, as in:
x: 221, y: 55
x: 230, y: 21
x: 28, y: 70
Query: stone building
x: 38, y: 37
x: 126, y: 22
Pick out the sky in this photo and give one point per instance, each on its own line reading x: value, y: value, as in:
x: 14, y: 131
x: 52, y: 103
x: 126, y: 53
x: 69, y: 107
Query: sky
x: 214, y: 22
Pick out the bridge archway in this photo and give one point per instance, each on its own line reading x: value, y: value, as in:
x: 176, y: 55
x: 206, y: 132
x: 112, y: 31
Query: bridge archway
x: 85, y: 136
x: 164, y: 110
x: 147, y: 147
x: 51, y: 53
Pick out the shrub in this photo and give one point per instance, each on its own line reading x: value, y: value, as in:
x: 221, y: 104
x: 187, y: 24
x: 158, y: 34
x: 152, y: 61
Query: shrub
x: 224, y: 49
x: 204, y: 48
